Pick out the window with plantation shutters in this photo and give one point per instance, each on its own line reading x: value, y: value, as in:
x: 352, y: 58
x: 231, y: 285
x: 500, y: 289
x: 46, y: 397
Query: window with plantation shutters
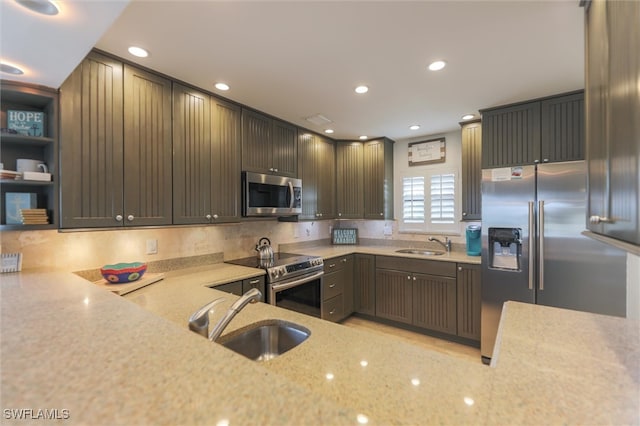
x: 428, y: 202
x: 413, y: 199
x: 443, y: 198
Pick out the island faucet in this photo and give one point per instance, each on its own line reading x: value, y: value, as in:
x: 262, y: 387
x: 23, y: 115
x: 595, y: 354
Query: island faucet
x: 446, y: 244
x: 199, y: 320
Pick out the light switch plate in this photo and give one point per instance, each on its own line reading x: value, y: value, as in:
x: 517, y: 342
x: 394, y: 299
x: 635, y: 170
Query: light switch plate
x: 152, y: 246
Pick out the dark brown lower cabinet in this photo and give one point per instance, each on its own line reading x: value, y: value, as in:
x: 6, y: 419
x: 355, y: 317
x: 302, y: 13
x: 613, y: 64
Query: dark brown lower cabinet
x: 439, y: 296
x: 364, y: 278
x: 394, y: 295
x: 337, y: 288
x: 469, y: 300
x: 434, y: 303
x: 240, y: 287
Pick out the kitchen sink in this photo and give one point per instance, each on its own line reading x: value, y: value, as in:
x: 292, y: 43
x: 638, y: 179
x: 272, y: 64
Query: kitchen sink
x: 422, y: 252
x: 266, y: 340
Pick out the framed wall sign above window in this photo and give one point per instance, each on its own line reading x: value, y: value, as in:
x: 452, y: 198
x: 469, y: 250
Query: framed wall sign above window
x: 427, y: 152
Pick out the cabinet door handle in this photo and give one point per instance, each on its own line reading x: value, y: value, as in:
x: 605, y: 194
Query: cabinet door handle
x: 408, y: 277
x: 333, y: 311
x: 414, y: 278
x: 208, y: 217
x: 459, y: 268
x: 119, y: 218
x: 381, y: 214
x: 464, y: 213
x: 215, y: 216
x: 275, y: 170
x: 332, y: 285
x: 130, y: 218
x: 344, y: 260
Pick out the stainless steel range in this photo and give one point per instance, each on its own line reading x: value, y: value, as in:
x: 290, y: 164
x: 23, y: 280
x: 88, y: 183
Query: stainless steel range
x: 294, y: 282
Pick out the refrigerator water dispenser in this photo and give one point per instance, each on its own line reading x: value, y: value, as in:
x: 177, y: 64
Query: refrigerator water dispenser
x: 505, y: 248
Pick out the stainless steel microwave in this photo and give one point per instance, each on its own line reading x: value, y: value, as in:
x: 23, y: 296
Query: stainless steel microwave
x: 270, y: 195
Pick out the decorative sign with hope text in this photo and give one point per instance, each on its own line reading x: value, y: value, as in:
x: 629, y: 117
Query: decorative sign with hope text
x: 28, y: 123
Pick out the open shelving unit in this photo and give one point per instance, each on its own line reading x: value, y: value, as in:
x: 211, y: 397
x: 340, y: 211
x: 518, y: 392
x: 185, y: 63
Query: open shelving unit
x: 28, y: 97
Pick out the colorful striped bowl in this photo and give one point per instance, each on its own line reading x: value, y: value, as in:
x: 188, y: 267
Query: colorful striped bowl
x: 120, y: 273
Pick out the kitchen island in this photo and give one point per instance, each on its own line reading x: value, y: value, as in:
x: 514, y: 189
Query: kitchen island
x: 69, y: 345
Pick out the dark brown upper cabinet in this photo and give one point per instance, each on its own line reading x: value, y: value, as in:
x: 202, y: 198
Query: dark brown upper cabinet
x: 115, y: 147
x: 538, y: 131
x: 206, y: 162
x: 612, y: 119
x: 378, y: 182
x: 471, y: 170
x: 268, y: 145
x: 349, y: 180
x: 147, y: 148
x: 316, y: 165
x: 91, y: 145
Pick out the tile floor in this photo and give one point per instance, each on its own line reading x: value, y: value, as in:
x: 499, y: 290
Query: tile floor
x: 432, y: 343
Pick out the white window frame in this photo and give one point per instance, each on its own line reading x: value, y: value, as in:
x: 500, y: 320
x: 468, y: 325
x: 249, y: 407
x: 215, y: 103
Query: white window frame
x: 427, y: 226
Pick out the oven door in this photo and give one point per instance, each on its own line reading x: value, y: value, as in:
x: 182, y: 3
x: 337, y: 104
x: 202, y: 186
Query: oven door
x: 300, y: 294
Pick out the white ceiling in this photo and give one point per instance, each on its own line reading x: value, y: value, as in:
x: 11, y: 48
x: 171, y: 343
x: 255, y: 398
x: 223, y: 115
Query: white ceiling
x: 294, y: 59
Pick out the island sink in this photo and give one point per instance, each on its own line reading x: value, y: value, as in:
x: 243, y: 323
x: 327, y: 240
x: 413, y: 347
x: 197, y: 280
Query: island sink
x: 266, y: 340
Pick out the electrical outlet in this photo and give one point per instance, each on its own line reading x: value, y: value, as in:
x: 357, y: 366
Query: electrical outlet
x: 152, y: 246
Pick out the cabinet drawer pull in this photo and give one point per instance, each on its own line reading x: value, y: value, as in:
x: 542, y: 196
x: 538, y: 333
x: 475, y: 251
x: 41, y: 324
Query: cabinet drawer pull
x: 344, y: 260
x: 332, y: 285
x: 331, y: 265
x: 254, y: 281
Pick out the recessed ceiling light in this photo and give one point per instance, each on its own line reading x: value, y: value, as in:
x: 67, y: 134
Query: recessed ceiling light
x: 362, y: 89
x: 437, y: 65
x: 222, y: 86
x: 138, y: 51
x: 329, y: 131
x: 10, y: 69
x: 414, y: 127
x: 44, y: 7
x: 468, y: 116
x: 364, y: 138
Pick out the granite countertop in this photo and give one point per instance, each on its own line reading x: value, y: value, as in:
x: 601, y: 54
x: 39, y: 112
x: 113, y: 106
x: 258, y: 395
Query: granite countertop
x: 328, y: 251
x: 69, y: 345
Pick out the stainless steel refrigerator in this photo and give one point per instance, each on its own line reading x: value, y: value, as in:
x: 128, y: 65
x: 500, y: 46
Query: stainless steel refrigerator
x: 533, y: 249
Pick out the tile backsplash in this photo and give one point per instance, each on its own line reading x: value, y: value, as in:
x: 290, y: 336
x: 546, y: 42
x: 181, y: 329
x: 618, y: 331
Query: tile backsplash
x: 71, y: 251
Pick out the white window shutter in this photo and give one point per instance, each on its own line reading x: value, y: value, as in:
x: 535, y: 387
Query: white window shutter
x: 413, y: 200
x: 443, y: 198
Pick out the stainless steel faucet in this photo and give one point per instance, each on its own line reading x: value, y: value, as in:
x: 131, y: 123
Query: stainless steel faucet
x: 199, y: 320
x: 446, y: 244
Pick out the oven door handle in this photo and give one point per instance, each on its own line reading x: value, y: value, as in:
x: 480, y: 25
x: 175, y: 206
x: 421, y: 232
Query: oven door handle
x: 290, y: 284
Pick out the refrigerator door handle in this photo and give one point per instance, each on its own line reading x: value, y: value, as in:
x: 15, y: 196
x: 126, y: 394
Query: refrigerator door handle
x: 531, y: 245
x: 541, y: 244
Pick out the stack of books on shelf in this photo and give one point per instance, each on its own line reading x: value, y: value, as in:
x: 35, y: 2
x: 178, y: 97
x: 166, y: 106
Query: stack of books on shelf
x: 34, y: 216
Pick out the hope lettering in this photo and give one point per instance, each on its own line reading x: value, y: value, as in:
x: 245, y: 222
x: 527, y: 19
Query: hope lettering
x: 25, y: 116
